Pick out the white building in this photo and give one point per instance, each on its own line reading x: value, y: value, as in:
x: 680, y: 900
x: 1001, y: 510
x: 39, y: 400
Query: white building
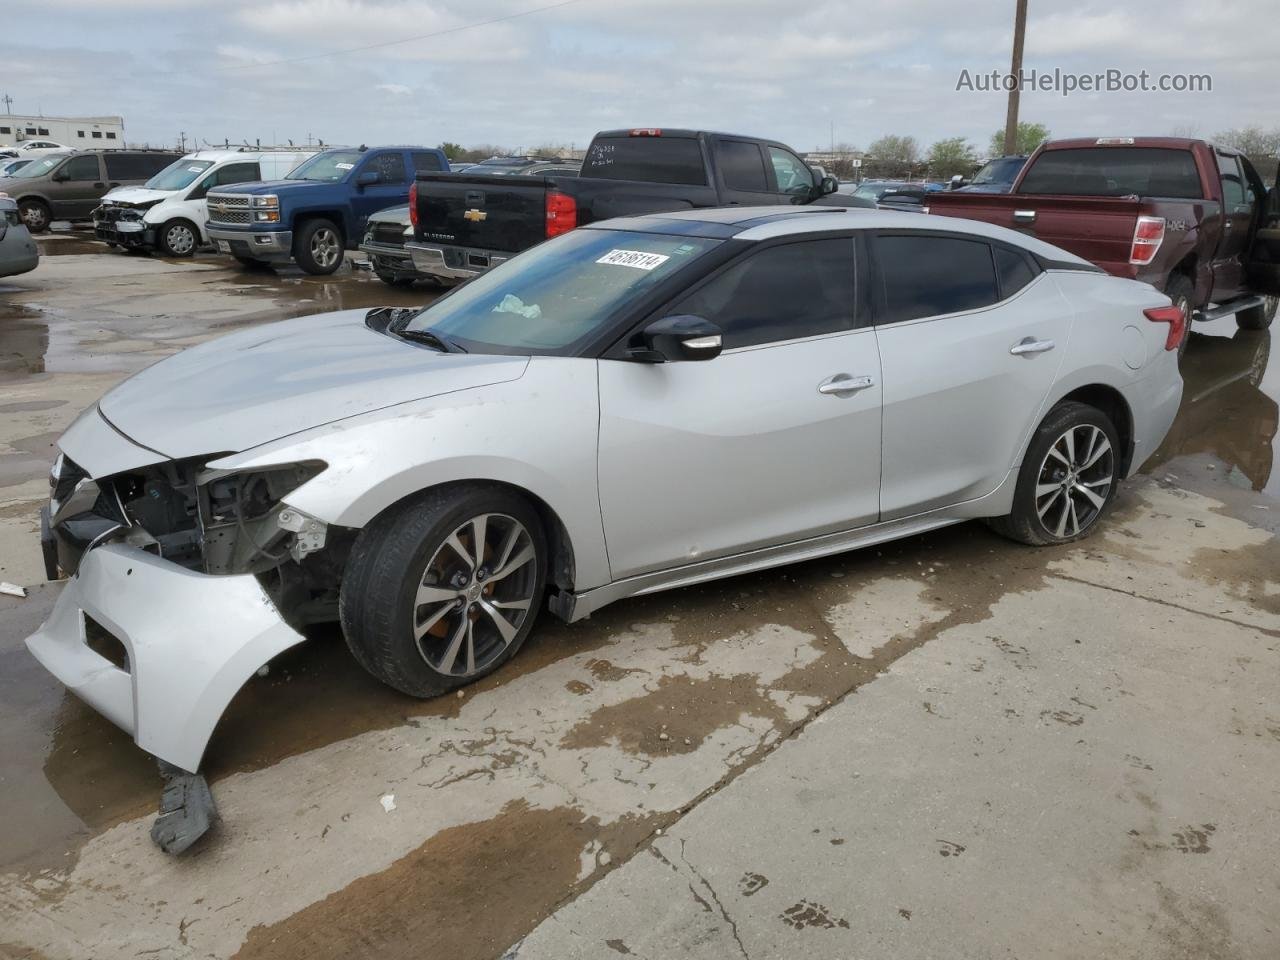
x: 85, y: 132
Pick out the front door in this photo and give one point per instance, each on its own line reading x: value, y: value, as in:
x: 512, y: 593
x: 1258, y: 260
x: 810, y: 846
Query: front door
x: 775, y: 440
x: 1237, y: 219
x: 75, y: 197
x: 971, y: 338
x: 391, y: 189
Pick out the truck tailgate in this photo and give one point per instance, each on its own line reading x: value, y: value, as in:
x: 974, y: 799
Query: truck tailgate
x: 1100, y: 229
x: 482, y: 211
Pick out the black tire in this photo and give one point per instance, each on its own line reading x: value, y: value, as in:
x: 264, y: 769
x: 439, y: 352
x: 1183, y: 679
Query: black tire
x: 1024, y: 522
x: 318, y: 247
x: 398, y: 554
x: 35, y: 214
x: 178, y: 238
x: 1181, y: 290
x: 1260, y: 317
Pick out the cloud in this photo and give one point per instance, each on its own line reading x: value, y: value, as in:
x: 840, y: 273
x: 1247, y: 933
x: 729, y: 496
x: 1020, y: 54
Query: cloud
x: 395, y: 89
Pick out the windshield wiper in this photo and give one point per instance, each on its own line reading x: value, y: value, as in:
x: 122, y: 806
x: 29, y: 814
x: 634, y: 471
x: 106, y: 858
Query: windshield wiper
x: 431, y: 340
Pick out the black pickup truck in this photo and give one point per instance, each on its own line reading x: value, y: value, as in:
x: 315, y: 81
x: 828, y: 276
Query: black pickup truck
x: 463, y: 224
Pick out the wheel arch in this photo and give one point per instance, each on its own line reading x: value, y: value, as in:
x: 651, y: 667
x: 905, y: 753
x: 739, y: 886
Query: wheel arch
x: 1112, y: 402
x: 336, y: 217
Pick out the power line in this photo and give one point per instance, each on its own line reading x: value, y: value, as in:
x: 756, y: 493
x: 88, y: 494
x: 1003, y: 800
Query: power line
x: 392, y: 43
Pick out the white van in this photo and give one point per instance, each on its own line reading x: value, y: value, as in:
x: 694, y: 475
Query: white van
x: 168, y: 213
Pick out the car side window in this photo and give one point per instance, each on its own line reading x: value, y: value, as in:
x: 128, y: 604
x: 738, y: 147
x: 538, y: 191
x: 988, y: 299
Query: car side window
x: 780, y: 293
x: 793, y: 174
x: 425, y: 162
x: 390, y: 167
x: 1014, y: 270
x: 1232, y: 182
x: 238, y: 173
x: 82, y: 168
x: 928, y: 276
x: 742, y: 166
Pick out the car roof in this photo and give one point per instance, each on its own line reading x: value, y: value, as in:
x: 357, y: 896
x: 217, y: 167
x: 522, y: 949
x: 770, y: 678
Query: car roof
x: 217, y: 156
x: 766, y: 223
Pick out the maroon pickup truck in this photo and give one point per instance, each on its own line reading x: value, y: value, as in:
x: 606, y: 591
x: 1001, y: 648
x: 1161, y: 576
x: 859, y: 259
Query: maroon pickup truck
x: 1187, y: 216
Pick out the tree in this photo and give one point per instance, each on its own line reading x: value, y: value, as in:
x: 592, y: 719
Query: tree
x: 892, y: 156
x: 453, y: 151
x: 947, y: 158
x: 1030, y: 136
x: 1260, y: 146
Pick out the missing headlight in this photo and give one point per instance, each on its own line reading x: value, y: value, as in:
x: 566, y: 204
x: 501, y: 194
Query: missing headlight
x: 243, y: 521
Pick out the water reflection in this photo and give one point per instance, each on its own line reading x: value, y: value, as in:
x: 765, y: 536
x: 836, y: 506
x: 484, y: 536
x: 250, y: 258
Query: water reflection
x: 1225, y: 411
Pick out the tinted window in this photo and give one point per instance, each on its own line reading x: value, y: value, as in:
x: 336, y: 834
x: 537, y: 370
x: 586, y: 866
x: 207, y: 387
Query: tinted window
x: 782, y: 293
x: 1114, y: 172
x: 655, y: 159
x: 792, y: 174
x: 82, y: 168
x: 124, y: 166
x: 237, y: 173
x: 425, y: 162
x: 1014, y: 269
x: 390, y: 167
x: 927, y: 276
x: 741, y: 166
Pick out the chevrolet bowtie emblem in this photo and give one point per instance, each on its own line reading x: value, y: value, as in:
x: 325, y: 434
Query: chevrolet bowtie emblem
x: 474, y: 215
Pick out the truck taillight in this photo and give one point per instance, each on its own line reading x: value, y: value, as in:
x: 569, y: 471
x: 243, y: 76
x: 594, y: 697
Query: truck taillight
x: 413, y: 205
x: 1173, y: 316
x: 562, y: 213
x: 646, y: 132
x: 1147, y: 237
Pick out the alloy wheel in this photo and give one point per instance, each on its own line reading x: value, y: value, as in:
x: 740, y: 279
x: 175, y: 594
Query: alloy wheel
x: 1074, y: 480
x: 475, y: 594
x: 324, y: 247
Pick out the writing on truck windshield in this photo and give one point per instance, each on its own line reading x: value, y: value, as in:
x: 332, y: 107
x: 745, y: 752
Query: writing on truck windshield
x: 654, y: 159
x: 330, y: 167
x: 559, y: 292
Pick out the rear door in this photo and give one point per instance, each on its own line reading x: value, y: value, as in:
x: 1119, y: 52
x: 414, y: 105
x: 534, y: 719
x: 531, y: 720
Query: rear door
x: 760, y: 446
x: 391, y: 189
x: 1263, y: 273
x: 959, y: 402
x: 742, y: 174
x: 1237, y: 219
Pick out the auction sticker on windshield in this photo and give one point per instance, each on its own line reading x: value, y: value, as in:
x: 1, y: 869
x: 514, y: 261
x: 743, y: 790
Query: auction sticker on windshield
x: 634, y: 258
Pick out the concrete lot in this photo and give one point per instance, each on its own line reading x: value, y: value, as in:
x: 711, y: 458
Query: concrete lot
x: 946, y: 747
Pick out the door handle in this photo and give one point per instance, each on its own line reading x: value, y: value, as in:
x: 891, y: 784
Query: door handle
x: 842, y: 384
x: 1024, y: 216
x: 1030, y: 345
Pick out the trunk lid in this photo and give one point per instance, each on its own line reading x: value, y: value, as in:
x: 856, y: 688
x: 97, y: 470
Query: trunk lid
x: 505, y: 213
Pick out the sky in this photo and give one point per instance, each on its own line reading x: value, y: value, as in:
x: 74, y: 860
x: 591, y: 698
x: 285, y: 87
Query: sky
x: 803, y: 73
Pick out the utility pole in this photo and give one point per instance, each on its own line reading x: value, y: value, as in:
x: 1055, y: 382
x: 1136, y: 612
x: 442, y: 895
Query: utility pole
x: 182, y: 140
x: 8, y: 104
x: 1015, y: 71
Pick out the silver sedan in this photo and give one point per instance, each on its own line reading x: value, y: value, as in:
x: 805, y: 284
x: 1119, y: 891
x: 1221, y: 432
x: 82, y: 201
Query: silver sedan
x: 637, y: 405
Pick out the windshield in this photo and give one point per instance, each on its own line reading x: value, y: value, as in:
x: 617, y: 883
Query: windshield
x: 999, y: 171
x: 38, y: 168
x: 178, y: 174
x: 559, y: 292
x: 330, y: 167
x: 874, y: 191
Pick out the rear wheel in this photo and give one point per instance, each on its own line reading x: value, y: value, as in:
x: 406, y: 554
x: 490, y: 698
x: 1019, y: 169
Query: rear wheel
x: 444, y: 589
x: 178, y: 238
x: 1180, y: 290
x: 317, y: 247
x: 35, y: 214
x: 1068, y: 477
x: 1259, y: 317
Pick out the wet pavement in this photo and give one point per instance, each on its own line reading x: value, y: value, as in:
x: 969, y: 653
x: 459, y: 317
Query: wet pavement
x: 679, y: 729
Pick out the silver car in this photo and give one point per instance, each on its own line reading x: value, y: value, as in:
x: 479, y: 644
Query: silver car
x: 18, y: 253
x: 637, y: 405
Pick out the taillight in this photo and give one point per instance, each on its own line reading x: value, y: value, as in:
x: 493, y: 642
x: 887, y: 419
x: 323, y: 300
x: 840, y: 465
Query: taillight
x: 1173, y: 316
x: 646, y: 132
x: 413, y: 205
x: 1147, y: 237
x: 562, y: 213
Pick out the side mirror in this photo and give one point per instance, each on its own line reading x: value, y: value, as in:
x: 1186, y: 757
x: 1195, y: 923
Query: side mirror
x: 829, y: 185
x: 682, y: 337
x: 368, y: 178
x: 61, y: 176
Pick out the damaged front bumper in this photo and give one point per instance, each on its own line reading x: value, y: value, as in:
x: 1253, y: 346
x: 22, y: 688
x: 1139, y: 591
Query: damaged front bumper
x: 190, y: 641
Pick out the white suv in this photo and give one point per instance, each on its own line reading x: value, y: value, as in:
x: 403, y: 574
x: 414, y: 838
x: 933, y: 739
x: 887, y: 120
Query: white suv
x: 168, y: 213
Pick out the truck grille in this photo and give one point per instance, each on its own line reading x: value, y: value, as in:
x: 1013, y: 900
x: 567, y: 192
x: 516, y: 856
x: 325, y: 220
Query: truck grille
x: 228, y: 208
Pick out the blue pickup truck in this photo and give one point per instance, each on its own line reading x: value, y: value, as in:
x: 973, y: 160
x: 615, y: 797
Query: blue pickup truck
x: 319, y: 210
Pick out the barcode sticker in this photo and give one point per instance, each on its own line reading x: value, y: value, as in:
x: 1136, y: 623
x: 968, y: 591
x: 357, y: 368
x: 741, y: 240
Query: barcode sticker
x: 634, y: 258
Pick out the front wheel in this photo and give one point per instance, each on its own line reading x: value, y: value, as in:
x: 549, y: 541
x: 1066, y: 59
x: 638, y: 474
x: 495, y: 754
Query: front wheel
x: 444, y: 589
x: 318, y: 247
x: 1068, y: 477
x: 1259, y: 317
x: 178, y: 238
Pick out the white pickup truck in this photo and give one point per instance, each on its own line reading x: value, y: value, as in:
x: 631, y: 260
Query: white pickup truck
x: 168, y: 213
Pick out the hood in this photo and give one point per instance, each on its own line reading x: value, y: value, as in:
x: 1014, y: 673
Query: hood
x: 259, y: 385
x: 136, y: 196
x: 280, y: 187
x: 398, y: 214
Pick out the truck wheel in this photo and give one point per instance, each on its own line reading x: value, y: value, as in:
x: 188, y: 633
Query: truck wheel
x: 1260, y: 317
x: 178, y: 238
x: 35, y: 214
x: 1180, y: 290
x: 444, y: 588
x: 1068, y: 478
x: 318, y: 247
